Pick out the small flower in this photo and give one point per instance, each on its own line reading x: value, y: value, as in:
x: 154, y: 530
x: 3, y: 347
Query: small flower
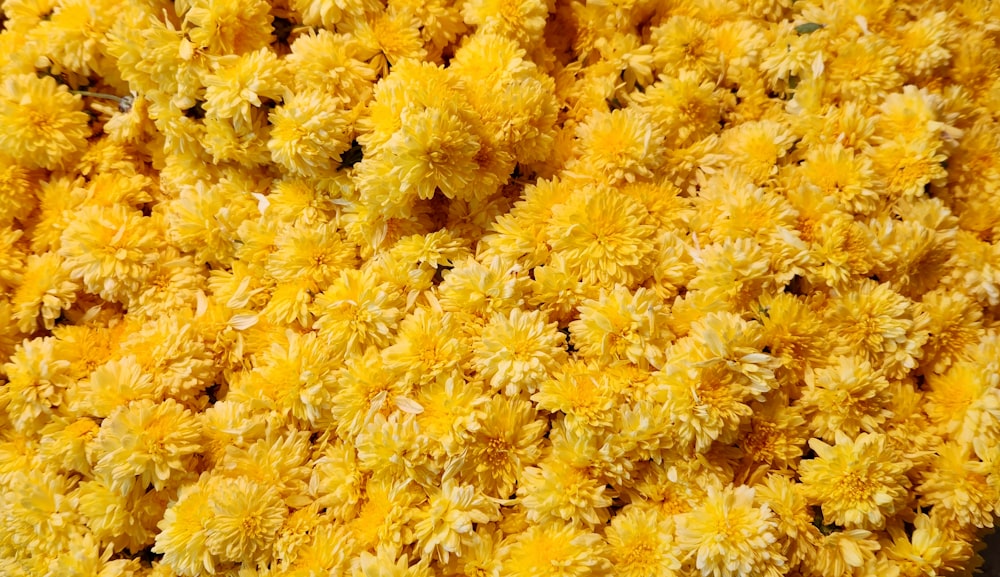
x: 517, y: 351
x: 728, y: 536
x: 860, y: 483
x: 42, y: 125
x: 243, y: 520
x: 446, y: 525
x: 146, y: 443
x: 555, y: 547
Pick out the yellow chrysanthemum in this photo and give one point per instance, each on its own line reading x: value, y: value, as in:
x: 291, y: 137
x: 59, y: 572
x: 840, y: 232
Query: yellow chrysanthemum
x: 146, y: 443
x: 45, y: 291
x: 603, y: 236
x: 228, y: 27
x: 42, y: 125
x: 727, y: 535
x: 622, y: 325
x: 445, y: 527
x: 309, y: 132
x: 640, y: 543
x: 858, y: 483
x: 517, y: 351
x: 555, y: 547
x: 508, y: 439
x: 848, y: 395
x: 243, y: 520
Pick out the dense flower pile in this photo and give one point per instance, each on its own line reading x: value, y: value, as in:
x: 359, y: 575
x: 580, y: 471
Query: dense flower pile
x: 499, y: 288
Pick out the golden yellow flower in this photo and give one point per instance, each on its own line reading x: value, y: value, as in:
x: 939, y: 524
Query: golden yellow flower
x: 640, y: 543
x: 445, y: 527
x: 229, y: 27
x: 603, y: 236
x: 509, y: 438
x: 728, y: 535
x: 517, y: 351
x: 848, y: 395
x: 243, y: 519
x: 146, y: 443
x: 42, y: 125
x: 557, y: 547
x: 858, y: 483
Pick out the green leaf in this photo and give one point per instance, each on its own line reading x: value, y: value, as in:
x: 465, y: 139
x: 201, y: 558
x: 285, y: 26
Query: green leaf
x: 809, y: 27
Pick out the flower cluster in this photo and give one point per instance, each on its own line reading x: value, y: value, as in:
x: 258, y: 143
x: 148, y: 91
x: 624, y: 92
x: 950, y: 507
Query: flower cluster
x: 502, y: 288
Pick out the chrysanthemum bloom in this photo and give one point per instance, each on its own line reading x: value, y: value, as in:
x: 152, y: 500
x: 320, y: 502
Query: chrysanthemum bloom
x: 848, y: 396
x: 559, y: 548
x: 38, y: 377
x: 41, y: 124
x: 879, y: 324
x: 858, y: 483
x: 641, y: 543
x: 581, y: 392
x: 957, y: 487
x: 146, y: 443
x: 604, y: 236
x: 446, y: 526
x: 728, y: 536
x: 519, y: 350
x: 226, y: 27
x: 388, y: 561
x: 45, y: 291
x: 309, y: 132
x: 182, y: 535
x: 619, y: 146
x: 509, y: 438
x: 621, y: 325
x: 243, y: 520
x: 557, y: 491
x: 110, y: 249
x: 355, y: 312
x: 296, y: 379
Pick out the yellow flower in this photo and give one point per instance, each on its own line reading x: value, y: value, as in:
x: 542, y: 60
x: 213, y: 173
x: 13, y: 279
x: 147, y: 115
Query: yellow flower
x: 146, y: 443
x: 581, y: 393
x: 964, y: 401
x: 508, y: 439
x: 957, y: 488
x: 295, y: 379
x: 557, y: 491
x: 428, y: 344
x: 446, y: 525
x: 243, y: 519
x: 240, y: 82
x: 880, y: 325
x: 331, y: 64
x: 727, y: 536
x: 858, y: 483
x: 355, y: 312
x: 517, y: 351
x: 686, y: 106
x: 182, y: 536
x: 309, y: 132
x: 848, y: 395
x: 228, y: 26
x: 436, y: 149
x: 619, y: 146
x: 640, y: 543
x: 42, y: 125
x: 522, y: 20
x: 603, y: 236
x: 45, y: 291
x: 557, y: 548
x: 837, y: 171
x: 387, y: 562
x: 114, y: 384
x: 757, y: 147
x: 38, y: 377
